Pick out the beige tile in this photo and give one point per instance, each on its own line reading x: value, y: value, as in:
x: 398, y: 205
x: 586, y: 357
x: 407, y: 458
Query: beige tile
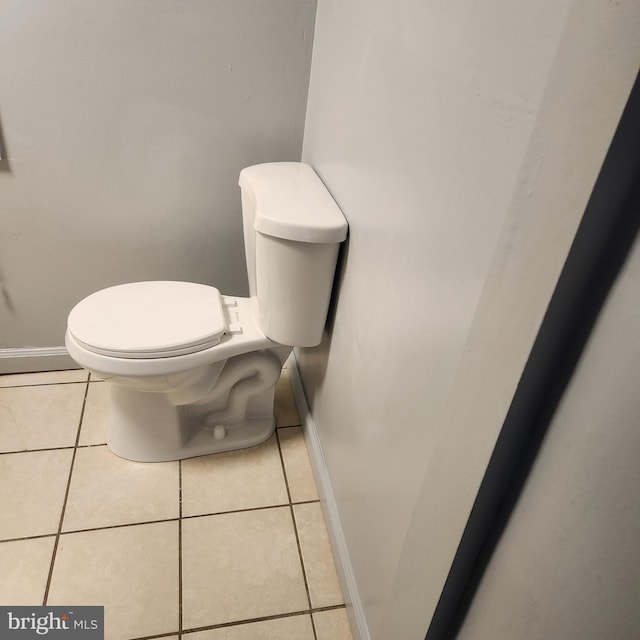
x: 239, y: 566
x: 302, y: 485
x: 332, y: 625
x: 234, y: 480
x: 285, y: 407
x: 45, y: 377
x: 24, y: 567
x: 94, y: 420
x: 289, y: 628
x: 319, y: 566
x: 132, y: 571
x: 107, y: 490
x: 40, y: 417
x: 32, y: 492
x: 11, y: 438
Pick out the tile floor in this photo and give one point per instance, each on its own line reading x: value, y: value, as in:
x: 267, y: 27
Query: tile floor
x: 231, y: 546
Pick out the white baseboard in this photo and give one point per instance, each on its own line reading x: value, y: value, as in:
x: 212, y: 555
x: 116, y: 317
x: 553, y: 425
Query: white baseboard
x: 330, y: 508
x: 32, y: 359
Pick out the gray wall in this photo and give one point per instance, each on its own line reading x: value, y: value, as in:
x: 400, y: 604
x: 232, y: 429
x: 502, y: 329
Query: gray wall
x: 126, y: 125
x: 567, y: 564
x: 462, y: 141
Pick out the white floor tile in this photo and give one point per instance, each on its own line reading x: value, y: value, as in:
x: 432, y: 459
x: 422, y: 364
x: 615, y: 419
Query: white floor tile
x: 40, y: 417
x: 107, y: 490
x: 44, y: 377
x: 240, y: 566
x: 24, y: 567
x: 94, y: 420
x: 297, y: 465
x: 332, y: 625
x: 285, y: 407
x: 32, y: 492
x: 324, y: 587
x: 243, y: 479
x: 290, y: 628
x: 131, y: 571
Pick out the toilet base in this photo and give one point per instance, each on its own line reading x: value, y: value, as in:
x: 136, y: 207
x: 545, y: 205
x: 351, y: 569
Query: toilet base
x: 173, y: 435
x: 152, y: 427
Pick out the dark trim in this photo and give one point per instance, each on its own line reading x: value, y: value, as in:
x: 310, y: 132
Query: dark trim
x: 604, y: 239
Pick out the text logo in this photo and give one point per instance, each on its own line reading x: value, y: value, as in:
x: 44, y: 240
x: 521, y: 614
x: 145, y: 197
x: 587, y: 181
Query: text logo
x: 53, y: 623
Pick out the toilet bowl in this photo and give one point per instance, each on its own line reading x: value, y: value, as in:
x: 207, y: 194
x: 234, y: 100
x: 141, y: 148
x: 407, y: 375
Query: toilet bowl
x: 193, y: 371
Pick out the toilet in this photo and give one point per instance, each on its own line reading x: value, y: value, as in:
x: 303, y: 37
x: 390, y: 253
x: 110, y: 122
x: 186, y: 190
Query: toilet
x: 193, y: 371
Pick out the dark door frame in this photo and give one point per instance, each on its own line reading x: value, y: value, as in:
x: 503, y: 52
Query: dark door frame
x: 603, y: 241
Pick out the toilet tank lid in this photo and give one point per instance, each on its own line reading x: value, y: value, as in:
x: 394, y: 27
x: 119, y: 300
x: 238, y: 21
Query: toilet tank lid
x: 292, y: 203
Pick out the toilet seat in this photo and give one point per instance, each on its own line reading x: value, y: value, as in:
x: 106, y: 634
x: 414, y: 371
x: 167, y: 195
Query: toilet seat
x: 149, y: 320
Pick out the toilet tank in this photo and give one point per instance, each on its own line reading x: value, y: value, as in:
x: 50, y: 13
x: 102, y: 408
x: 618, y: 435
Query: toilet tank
x: 292, y: 231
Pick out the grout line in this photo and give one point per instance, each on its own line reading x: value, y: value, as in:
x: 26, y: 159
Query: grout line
x: 329, y: 607
x: 179, y: 549
x: 135, y: 524
x: 284, y: 470
x: 5, y: 453
x: 66, y: 496
x: 277, y: 616
x: 291, y: 426
x: 295, y: 530
x: 42, y: 384
x: 288, y: 426
x: 238, y: 623
x: 223, y: 513
x: 41, y: 535
x: 314, y: 501
x: 168, y: 634
x: 117, y: 526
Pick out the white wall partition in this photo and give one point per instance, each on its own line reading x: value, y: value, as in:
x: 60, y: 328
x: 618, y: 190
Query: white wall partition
x: 462, y: 141
x: 126, y: 125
